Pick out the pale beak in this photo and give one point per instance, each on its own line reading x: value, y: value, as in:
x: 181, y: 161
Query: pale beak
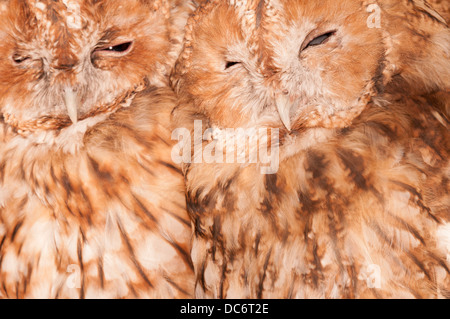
x: 284, y: 109
x: 71, y: 101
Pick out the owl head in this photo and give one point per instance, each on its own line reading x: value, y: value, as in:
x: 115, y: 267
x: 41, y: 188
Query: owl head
x: 298, y: 64
x: 64, y: 61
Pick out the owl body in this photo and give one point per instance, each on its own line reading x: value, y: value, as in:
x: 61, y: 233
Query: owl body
x: 107, y: 221
x: 359, y: 214
x: 91, y: 204
x: 360, y: 206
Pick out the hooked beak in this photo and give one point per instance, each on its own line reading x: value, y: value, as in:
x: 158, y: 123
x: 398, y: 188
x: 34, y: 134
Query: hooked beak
x: 71, y: 101
x: 284, y: 109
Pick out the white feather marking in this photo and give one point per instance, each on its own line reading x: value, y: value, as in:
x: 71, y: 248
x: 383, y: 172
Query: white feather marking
x: 443, y: 239
x: 41, y: 6
x: 73, y: 16
x: 154, y: 251
x: 10, y: 266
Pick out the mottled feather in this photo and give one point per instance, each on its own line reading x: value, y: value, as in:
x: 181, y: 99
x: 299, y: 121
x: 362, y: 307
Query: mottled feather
x: 360, y: 205
x: 91, y: 203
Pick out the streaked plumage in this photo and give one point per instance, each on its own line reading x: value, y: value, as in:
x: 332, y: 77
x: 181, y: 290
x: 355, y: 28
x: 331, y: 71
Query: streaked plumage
x: 91, y: 204
x: 360, y: 206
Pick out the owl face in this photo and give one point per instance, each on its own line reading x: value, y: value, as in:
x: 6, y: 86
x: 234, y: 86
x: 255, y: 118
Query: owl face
x: 221, y: 69
x: 67, y: 58
x: 302, y: 64
x: 306, y: 60
x: 323, y: 60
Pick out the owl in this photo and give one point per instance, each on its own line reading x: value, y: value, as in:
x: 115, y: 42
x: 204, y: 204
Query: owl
x: 91, y: 204
x: 346, y: 192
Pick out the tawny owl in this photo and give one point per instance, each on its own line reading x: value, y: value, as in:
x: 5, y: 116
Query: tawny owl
x: 320, y: 163
x: 91, y: 204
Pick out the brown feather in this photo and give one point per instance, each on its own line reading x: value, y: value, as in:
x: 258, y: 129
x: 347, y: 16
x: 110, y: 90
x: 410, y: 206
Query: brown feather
x: 93, y: 208
x: 359, y: 207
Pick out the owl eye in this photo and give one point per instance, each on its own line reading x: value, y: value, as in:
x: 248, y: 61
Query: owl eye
x: 18, y: 59
x: 119, y: 48
x: 231, y: 64
x: 115, y: 50
x: 317, y: 40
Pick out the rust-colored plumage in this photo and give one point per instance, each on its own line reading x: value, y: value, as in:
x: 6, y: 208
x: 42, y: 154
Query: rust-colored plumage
x: 91, y: 204
x: 360, y: 204
x: 443, y: 7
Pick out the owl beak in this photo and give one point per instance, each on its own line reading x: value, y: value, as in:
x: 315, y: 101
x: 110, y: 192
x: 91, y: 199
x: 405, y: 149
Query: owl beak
x: 71, y: 101
x: 284, y: 109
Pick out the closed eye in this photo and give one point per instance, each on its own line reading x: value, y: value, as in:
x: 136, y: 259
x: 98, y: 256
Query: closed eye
x: 18, y: 59
x: 322, y: 39
x: 231, y: 64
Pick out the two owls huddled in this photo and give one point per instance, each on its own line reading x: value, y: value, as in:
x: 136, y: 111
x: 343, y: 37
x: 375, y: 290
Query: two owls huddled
x: 96, y: 201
